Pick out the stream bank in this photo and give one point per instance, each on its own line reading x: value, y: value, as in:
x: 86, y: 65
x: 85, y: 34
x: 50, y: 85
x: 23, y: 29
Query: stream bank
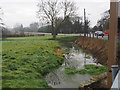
x: 98, y: 48
x: 76, y: 59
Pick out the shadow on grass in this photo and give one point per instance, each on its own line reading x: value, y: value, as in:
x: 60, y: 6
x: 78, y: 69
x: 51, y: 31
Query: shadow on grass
x: 67, y: 41
x: 11, y: 39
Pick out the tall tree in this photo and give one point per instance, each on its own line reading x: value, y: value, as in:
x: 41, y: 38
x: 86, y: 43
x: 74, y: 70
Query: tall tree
x: 2, y: 28
x: 66, y: 26
x: 51, y: 10
x: 48, y: 12
x: 34, y: 27
x: 1, y: 13
x: 78, y: 24
x: 69, y: 8
x: 103, y: 23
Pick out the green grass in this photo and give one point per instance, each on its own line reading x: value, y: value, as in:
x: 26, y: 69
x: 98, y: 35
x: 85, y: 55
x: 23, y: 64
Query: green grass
x: 87, y: 57
x: 89, y: 69
x: 27, y: 59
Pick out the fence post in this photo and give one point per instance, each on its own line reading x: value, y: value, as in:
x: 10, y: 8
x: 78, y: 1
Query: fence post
x: 112, y: 39
x: 90, y: 35
x: 93, y: 35
x: 97, y: 36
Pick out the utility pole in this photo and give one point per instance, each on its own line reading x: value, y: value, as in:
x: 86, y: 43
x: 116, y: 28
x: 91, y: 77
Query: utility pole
x: 112, y: 39
x: 84, y: 23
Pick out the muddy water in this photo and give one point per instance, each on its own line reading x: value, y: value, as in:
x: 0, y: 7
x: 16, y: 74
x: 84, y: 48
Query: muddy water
x: 76, y: 60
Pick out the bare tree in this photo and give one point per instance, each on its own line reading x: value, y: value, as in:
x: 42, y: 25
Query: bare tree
x: 1, y: 13
x: 51, y: 11
x: 69, y: 8
x: 103, y: 23
x: 1, y: 22
x: 48, y: 12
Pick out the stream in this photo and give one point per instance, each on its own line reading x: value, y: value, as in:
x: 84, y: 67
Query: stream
x: 74, y: 59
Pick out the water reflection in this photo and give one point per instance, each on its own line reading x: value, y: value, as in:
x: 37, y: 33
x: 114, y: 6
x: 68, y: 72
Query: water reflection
x: 76, y: 60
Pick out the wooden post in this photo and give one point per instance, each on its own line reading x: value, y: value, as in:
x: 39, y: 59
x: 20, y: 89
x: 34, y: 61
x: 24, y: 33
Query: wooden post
x: 112, y: 39
x: 90, y: 35
x: 97, y: 36
x: 84, y: 23
x: 93, y: 35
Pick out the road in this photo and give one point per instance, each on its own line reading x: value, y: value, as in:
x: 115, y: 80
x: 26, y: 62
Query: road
x: 50, y: 34
x: 105, y: 37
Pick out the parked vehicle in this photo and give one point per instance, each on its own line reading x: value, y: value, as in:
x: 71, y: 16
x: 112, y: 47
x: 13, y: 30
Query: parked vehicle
x: 99, y: 33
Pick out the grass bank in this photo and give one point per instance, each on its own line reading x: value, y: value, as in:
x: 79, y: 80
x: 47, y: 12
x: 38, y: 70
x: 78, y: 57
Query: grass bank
x: 27, y: 59
x: 98, y: 48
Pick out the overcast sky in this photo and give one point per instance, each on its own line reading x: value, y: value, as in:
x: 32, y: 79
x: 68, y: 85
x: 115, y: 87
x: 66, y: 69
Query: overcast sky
x: 24, y: 11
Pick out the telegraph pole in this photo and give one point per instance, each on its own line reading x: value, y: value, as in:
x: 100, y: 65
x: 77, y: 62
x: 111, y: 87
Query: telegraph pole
x: 84, y: 23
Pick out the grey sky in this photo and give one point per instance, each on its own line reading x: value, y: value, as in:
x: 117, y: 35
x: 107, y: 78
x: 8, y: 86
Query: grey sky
x: 24, y: 11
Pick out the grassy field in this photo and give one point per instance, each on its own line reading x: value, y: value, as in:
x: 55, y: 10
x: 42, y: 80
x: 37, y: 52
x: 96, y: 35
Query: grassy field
x: 27, y: 59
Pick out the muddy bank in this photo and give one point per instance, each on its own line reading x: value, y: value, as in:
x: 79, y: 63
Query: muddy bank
x: 98, y: 48
x: 99, y: 81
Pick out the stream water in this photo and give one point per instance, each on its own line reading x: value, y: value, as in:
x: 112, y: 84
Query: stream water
x: 76, y: 60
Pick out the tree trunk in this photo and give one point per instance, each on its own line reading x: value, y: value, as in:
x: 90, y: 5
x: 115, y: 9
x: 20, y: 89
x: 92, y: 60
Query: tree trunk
x: 54, y: 36
x: 53, y: 32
